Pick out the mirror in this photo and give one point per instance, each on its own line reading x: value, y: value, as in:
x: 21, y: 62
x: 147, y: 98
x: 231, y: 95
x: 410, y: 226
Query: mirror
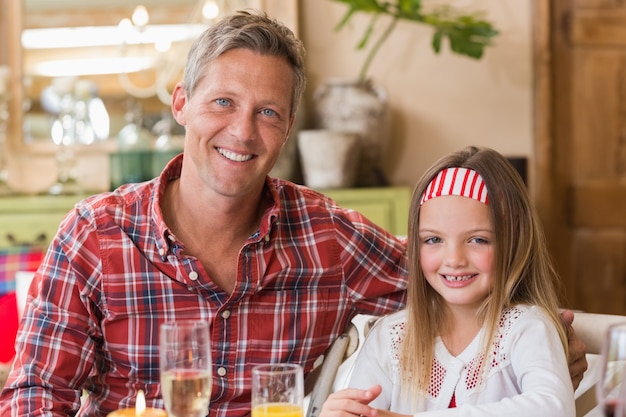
x: 126, y: 69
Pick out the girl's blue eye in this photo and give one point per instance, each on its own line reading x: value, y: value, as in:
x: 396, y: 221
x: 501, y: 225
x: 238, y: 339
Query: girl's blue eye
x: 480, y: 240
x: 432, y: 240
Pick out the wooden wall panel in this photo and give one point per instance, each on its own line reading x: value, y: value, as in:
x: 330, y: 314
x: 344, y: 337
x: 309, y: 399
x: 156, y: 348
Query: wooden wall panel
x: 597, y: 205
x: 598, y: 107
x: 583, y: 136
x: 600, y: 265
x: 599, y: 27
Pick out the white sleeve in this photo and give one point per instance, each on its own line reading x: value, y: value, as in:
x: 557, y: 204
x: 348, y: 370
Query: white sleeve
x: 373, y: 365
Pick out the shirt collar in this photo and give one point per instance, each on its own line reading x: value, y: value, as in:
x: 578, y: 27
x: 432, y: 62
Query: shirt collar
x: 171, y: 172
x: 271, y: 214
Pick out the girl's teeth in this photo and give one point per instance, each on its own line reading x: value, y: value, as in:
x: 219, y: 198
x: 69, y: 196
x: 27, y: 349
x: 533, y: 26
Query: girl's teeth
x: 454, y: 278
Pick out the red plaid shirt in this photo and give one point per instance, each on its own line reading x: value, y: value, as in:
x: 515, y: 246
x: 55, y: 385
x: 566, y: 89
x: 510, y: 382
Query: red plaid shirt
x: 114, y: 273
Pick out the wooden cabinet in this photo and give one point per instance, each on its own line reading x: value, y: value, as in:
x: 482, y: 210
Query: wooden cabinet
x: 388, y: 207
x: 33, y: 220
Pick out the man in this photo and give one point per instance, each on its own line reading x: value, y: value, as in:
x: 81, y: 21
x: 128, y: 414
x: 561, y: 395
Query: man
x: 277, y: 269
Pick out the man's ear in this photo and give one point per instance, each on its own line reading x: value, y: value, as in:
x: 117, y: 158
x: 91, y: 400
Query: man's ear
x: 179, y: 99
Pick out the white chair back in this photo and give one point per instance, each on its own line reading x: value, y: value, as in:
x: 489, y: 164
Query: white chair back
x: 22, y: 283
x: 591, y: 328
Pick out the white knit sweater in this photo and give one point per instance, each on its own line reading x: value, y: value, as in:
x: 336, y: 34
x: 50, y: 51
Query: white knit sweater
x: 527, y: 375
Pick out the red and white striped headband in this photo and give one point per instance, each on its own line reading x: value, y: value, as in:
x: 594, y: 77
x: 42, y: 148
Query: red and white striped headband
x: 463, y: 182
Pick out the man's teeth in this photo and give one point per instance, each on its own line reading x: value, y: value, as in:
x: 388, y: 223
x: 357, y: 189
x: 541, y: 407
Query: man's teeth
x: 237, y: 157
x: 455, y: 278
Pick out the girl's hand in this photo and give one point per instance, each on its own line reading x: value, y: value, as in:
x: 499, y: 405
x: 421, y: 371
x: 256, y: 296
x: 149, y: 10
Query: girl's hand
x: 351, y: 402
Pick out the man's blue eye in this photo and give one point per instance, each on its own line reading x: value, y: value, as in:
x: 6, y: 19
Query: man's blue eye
x: 268, y: 112
x: 222, y: 101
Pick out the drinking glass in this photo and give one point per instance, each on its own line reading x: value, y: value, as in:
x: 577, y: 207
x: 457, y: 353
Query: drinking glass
x: 277, y: 390
x: 185, y: 362
x: 613, y: 369
x: 620, y: 408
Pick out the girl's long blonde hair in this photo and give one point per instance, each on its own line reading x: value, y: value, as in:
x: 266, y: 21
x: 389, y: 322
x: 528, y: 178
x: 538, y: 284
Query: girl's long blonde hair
x: 523, y: 269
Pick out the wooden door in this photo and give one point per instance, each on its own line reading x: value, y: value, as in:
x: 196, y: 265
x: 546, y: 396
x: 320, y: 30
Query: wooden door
x: 579, y: 175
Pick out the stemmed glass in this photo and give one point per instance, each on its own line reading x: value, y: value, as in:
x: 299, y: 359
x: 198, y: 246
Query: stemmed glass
x: 613, y: 370
x: 620, y: 408
x: 277, y: 390
x: 185, y: 362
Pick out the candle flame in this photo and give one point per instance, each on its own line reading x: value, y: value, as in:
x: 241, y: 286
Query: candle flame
x: 140, y: 403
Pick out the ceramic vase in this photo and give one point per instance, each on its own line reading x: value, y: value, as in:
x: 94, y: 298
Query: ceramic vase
x: 329, y: 158
x: 359, y: 108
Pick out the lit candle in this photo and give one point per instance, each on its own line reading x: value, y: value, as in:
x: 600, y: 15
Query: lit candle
x: 140, y: 403
x: 140, y: 409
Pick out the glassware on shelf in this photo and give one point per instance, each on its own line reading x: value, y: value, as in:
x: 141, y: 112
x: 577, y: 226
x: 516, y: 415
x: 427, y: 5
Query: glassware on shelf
x: 63, y: 134
x: 133, y: 160
x: 91, y: 119
x: 166, y: 146
x: 79, y: 119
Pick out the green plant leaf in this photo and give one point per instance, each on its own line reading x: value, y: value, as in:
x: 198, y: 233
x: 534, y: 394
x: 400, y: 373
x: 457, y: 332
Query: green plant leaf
x: 368, y: 32
x: 368, y: 6
x: 436, y: 42
x: 345, y: 18
x: 468, y: 34
x: 409, y: 6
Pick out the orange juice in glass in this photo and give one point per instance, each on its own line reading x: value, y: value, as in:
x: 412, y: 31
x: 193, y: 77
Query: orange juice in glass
x: 277, y: 390
x: 277, y: 410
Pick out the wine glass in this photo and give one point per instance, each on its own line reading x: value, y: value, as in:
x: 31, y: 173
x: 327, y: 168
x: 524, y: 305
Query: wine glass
x: 620, y: 408
x: 613, y: 369
x: 185, y: 362
x: 277, y: 390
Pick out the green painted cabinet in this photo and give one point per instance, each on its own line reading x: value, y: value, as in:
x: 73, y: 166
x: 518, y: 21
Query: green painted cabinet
x: 33, y: 220
x: 388, y: 207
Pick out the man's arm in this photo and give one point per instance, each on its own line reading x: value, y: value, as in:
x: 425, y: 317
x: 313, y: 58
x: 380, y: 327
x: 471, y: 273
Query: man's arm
x: 576, y: 360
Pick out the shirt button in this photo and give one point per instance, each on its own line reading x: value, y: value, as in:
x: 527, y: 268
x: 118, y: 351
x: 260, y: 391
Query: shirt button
x: 193, y: 275
x: 221, y: 371
x: 161, y: 251
x: 225, y: 314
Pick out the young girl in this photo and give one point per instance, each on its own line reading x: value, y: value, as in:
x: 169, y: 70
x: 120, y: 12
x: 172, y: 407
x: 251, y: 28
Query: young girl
x: 482, y: 310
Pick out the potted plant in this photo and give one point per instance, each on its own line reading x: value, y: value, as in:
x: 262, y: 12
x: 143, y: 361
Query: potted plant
x: 360, y: 106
